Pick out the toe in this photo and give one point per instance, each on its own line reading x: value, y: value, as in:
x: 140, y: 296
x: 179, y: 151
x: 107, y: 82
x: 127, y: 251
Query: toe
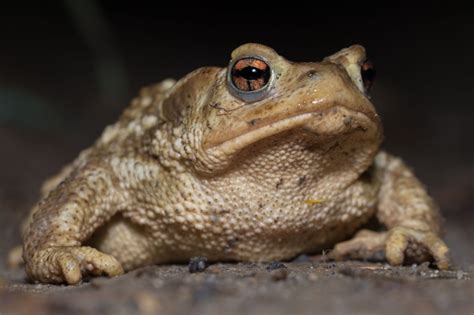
x: 339, y: 251
x: 70, y: 268
x: 99, y: 263
x: 107, y: 264
x: 395, y: 246
x: 365, y: 245
x: 15, y: 257
x: 438, y: 249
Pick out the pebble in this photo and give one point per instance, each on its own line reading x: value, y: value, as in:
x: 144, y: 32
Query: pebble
x: 197, y: 264
x: 275, y: 265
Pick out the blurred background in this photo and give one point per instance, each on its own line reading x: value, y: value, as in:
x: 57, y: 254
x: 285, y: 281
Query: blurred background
x: 68, y: 68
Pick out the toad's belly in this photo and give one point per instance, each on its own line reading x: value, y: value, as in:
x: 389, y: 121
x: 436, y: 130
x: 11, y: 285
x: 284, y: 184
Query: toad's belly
x: 260, y: 240
x: 247, y: 234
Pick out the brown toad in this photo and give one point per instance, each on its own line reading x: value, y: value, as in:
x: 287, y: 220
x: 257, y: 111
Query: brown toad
x: 263, y: 160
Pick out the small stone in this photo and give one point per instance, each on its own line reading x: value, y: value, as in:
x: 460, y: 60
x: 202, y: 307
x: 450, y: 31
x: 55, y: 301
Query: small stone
x: 197, y: 264
x: 275, y: 265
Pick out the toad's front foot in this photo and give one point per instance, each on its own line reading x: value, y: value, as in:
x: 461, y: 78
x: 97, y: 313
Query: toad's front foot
x: 401, y: 244
x: 70, y: 264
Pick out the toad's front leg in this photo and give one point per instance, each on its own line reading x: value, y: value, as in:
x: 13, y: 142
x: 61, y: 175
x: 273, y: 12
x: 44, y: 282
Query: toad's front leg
x: 67, y: 217
x: 411, y: 217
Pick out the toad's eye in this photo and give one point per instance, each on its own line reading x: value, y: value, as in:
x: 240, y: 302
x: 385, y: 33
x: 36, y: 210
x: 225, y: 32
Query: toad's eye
x: 367, y: 72
x: 249, y: 78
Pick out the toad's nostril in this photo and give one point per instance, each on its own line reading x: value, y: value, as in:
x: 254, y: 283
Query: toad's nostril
x: 367, y: 72
x: 310, y: 73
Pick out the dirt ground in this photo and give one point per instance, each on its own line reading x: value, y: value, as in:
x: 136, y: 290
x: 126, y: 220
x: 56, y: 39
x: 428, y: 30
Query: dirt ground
x: 307, y: 285
x: 299, y: 288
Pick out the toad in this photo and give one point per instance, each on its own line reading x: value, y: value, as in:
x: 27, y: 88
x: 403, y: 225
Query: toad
x: 262, y: 160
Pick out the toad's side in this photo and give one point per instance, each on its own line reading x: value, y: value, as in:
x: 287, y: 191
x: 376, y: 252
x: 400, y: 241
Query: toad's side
x: 263, y: 160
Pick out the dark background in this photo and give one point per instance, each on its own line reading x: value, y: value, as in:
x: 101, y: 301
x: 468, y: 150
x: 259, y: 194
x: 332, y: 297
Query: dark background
x: 68, y: 68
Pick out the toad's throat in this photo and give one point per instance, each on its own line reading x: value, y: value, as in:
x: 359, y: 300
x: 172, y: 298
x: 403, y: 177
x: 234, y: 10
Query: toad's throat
x: 333, y: 121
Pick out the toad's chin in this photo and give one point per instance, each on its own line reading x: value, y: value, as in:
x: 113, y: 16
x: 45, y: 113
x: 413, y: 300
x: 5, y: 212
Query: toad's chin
x: 337, y: 120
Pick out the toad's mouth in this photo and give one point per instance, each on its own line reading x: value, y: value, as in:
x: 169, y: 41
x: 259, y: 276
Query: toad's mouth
x: 333, y: 121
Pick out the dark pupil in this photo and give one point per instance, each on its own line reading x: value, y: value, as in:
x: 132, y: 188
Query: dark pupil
x: 250, y: 73
x: 250, y: 77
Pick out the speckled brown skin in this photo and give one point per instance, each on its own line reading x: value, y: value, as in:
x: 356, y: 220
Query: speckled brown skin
x: 190, y: 169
